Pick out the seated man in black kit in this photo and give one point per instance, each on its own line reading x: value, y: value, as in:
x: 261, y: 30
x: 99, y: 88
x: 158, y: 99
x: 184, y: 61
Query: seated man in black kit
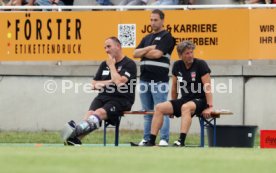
x: 116, y: 80
x: 192, y: 76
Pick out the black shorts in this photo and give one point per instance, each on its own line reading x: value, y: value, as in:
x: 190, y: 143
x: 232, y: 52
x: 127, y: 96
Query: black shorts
x: 201, y: 104
x: 114, y: 107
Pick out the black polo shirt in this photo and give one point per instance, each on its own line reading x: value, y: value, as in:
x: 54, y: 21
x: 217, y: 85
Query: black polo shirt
x: 189, y: 80
x: 126, y: 67
x: 157, y: 69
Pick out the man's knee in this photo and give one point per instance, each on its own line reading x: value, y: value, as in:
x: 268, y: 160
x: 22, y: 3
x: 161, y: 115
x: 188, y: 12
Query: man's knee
x: 101, y: 113
x: 186, y: 108
x: 159, y: 108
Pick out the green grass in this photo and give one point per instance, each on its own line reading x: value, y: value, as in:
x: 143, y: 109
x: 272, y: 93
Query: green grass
x: 34, y: 158
x: 135, y: 160
x: 94, y: 138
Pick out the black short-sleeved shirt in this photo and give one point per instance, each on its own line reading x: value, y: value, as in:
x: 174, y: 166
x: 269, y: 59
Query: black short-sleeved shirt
x: 157, y: 69
x: 126, y: 67
x: 190, y: 79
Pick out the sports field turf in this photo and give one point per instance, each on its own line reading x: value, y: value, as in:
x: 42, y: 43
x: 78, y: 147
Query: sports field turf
x: 40, y: 159
x: 20, y: 153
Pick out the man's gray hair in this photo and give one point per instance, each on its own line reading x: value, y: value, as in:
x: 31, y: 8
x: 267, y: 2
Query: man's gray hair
x: 184, y: 45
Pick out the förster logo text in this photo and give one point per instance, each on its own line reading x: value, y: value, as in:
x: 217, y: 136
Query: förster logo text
x: 270, y: 140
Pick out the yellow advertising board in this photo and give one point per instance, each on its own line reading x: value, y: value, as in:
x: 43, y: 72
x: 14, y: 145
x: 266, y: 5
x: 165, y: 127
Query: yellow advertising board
x: 212, y: 31
x: 263, y: 34
x: 228, y: 34
x: 56, y: 36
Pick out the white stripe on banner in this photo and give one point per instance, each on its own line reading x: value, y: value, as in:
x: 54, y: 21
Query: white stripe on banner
x: 154, y: 63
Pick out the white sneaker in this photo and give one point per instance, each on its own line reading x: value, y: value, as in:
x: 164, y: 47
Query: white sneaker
x: 178, y: 144
x: 163, y: 143
x: 143, y: 142
x: 67, y: 130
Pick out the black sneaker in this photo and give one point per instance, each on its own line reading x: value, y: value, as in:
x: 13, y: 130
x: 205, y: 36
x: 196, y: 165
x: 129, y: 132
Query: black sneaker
x: 73, y: 142
x: 148, y: 144
x: 178, y: 144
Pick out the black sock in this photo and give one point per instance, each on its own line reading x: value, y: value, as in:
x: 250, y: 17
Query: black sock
x: 182, y: 138
x: 152, y: 139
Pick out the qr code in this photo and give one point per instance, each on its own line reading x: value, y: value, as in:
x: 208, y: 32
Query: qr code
x: 127, y: 35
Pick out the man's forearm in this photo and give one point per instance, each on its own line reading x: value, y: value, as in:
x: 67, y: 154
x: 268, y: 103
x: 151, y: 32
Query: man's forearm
x: 174, y: 95
x: 100, y: 84
x: 174, y: 92
x: 209, y: 98
x: 206, y: 80
x: 140, y: 52
x: 154, y: 54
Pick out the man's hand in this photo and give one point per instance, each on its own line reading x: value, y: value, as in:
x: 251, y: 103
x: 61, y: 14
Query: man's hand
x: 207, y: 112
x: 110, y: 61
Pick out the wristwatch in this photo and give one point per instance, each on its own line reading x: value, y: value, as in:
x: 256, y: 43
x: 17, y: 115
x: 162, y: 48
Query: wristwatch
x: 54, y: 3
x: 209, y: 106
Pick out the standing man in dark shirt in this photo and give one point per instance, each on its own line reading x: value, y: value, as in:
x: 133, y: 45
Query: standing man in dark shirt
x: 55, y: 2
x: 116, y: 80
x: 155, y: 50
x: 192, y: 76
